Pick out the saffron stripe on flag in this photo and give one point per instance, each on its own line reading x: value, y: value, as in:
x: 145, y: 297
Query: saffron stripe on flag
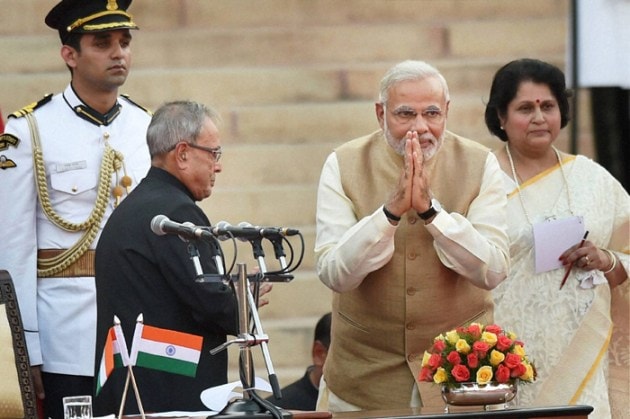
x: 108, y: 360
x: 173, y: 337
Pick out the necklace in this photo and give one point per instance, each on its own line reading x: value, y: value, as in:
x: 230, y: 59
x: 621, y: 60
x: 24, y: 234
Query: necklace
x: 518, y: 185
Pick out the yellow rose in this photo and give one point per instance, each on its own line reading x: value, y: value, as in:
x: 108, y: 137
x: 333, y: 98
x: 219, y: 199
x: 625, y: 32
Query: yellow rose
x: 425, y: 359
x: 489, y: 338
x: 439, y: 376
x: 462, y: 346
x: 529, y: 373
x: 511, y: 335
x: 518, y: 349
x: 452, y: 337
x: 496, y: 357
x: 484, y: 374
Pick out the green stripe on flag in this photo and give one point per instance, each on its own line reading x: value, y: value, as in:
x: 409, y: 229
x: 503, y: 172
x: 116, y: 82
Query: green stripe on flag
x: 162, y: 363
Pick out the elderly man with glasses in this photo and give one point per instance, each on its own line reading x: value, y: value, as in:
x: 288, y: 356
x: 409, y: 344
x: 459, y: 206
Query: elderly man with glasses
x: 141, y: 272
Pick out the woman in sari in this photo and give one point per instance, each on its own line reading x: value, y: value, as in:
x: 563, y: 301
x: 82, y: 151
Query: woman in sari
x: 575, y: 330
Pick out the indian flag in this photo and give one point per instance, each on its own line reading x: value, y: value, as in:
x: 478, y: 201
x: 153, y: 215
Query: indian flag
x: 115, y: 354
x: 165, y: 350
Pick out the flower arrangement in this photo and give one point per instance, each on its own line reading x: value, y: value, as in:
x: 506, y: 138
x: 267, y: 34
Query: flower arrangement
x: 476, y: 353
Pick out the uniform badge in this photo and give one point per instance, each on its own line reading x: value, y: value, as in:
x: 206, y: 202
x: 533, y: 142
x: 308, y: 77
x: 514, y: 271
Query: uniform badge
x: 6, y: 163
x: 8, y: 139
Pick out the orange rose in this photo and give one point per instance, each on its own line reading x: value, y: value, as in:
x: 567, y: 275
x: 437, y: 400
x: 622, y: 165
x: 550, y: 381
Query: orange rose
x: 504, y: 343
x: 503, y: 374
x: 460, y: 373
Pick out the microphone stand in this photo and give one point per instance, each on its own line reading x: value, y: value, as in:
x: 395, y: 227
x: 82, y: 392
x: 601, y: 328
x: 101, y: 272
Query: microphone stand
x: 251, y: 405
x: 193, y: 252
x: 215, y: 249
x: 279, y: 252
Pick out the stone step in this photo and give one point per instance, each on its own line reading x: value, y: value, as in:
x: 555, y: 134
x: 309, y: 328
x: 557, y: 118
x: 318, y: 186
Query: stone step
x: 324, y: 44
x: 252, y: 86
x: 167, y: 15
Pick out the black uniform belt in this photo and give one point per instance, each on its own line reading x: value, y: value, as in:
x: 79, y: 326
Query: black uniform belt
x: 84, y: 266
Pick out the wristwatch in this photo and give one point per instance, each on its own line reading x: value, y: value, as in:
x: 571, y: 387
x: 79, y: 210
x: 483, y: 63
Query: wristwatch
x: 433, y: 209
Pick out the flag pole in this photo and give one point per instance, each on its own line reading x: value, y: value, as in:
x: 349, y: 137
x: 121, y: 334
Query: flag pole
x: 124, y: 396
x: 135, y: 389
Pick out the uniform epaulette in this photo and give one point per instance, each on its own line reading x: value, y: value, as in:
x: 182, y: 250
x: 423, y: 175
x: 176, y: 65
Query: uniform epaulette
x: 30, y: 108
x: 128, y: 99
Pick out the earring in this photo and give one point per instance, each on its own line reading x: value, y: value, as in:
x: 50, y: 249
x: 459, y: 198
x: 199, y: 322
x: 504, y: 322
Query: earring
x: 502, y: 129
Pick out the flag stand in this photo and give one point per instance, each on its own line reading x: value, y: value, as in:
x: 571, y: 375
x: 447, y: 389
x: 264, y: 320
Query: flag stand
x: 251, y: 405
x: 135, y: 390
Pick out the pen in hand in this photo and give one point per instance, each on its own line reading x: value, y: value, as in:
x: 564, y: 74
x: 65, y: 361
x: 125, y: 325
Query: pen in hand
x: 566, y: 274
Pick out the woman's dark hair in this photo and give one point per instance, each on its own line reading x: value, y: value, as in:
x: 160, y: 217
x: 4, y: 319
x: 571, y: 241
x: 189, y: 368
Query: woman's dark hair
x: 507, y: 81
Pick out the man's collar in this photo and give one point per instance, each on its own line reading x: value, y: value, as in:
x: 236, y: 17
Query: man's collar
x: 86, y: 112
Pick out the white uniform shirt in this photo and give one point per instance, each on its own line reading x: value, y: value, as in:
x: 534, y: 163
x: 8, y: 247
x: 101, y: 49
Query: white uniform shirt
x: 59, y: 314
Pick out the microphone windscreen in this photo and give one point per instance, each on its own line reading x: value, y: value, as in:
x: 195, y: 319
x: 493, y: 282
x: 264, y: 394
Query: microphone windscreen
x: 156, y: 224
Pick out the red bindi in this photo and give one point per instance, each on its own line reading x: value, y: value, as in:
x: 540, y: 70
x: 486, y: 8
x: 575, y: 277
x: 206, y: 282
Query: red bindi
x: 537, y: 100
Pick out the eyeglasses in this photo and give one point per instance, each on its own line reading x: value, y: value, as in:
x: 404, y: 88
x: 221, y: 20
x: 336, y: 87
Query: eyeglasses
x: 405, y: 115
x: 215, y: 151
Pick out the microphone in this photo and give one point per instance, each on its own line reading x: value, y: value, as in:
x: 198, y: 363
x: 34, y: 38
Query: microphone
x: 245, y: 231
x: 161, y: 225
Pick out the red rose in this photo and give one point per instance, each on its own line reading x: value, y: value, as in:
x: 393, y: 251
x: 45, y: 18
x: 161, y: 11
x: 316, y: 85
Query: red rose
x: 473, y: 361
x: 493, y: 328
x: 426, y: 374
x: 519, y: 370
x: 435, y: 360
x: 481, y: 349
x: 503, y: 343
x: 503, y: 374
x: 454, y: 358
x: 460, y: 373
x: 512, y: 361
x: 475, y: 331
x: 439, y: 346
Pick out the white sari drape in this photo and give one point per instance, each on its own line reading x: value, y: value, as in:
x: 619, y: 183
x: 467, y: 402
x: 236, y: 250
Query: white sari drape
x: 573, y: 334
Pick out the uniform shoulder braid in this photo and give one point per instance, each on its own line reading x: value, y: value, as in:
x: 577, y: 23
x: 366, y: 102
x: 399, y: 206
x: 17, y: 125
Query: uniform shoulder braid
x: 30, y: 108
x: 128, y: 99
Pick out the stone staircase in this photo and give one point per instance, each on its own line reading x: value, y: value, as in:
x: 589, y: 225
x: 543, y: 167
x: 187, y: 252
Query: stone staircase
x: 292, y: 80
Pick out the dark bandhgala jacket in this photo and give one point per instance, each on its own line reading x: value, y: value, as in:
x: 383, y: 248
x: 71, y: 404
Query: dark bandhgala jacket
x: 138, y: 271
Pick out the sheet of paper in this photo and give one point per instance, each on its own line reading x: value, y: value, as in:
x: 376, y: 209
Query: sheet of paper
x: 216, y: 398
x: 552, y: 238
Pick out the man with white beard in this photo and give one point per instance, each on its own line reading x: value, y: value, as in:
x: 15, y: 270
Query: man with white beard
x: 411, y: 237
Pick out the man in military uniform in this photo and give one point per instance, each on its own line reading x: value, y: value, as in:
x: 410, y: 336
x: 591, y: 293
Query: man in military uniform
x: 67, y: 161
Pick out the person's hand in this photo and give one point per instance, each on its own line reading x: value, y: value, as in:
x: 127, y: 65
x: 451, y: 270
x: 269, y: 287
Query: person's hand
x: 265, y: 288
x: 36, y: 373
x: 399, y: 201
x: 587, y: 257
x: 420, y: 190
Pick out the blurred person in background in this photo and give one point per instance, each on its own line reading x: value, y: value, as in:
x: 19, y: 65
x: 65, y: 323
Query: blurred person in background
x: 302, y: 394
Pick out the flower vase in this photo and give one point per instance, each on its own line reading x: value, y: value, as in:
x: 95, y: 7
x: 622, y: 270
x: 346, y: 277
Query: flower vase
x: 488, y: 395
